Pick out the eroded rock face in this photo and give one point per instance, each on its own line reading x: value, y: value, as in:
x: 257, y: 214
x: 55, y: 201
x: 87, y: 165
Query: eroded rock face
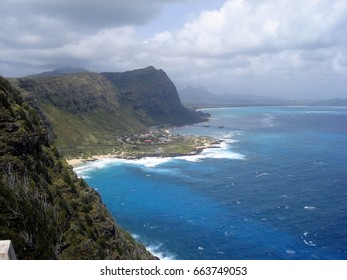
x: 45, y: 210
x: 151, y: 92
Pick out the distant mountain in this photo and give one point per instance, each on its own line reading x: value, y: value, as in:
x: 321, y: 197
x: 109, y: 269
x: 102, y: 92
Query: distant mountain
x: 330, y: 102
x: 45, y: 210
x: 61, y: 72
x: 91, y: 110
x: 200, y: 97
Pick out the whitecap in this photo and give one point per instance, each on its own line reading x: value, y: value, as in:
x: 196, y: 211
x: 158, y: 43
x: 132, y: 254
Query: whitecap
x: 268, y: 120
x: 290, y: 252
x: 310, y: 207
x: 261, y: 174
x: 306, y: 241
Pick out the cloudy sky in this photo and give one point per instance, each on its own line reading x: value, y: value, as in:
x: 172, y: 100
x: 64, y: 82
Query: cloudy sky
x: 283, y: 48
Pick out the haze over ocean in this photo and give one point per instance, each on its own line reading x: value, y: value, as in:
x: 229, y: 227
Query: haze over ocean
x: 276, y: 188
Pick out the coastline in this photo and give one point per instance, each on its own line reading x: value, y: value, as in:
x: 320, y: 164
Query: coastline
x: 76, y: 162
x: 201, y: 143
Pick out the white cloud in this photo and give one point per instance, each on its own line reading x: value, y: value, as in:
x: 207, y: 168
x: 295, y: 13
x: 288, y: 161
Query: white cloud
x: 242, y: 26
x: 245, y: 44
x: 272, y: 39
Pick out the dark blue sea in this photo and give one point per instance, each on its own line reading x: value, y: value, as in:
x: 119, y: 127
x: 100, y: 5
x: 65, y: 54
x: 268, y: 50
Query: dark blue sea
x: 276, y: 188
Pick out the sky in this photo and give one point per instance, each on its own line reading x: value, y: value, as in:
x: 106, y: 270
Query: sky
x: 280, y: 48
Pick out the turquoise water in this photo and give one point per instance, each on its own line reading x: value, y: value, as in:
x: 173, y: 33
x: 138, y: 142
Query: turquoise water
x: 276, y: 188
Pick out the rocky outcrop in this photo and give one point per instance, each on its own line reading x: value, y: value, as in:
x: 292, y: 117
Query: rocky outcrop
x: 45, y: 210
x: 151, y: 94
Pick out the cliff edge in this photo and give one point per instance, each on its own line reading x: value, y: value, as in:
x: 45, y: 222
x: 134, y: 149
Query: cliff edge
x: 45, y: 210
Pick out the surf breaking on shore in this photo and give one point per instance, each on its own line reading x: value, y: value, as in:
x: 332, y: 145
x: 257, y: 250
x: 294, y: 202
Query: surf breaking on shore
x: 221, y: 151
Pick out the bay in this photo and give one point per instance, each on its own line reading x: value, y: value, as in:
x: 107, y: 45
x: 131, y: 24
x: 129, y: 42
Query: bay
x: 276, y: 188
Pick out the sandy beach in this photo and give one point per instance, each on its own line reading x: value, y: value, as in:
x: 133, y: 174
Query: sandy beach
x: 75, y: 162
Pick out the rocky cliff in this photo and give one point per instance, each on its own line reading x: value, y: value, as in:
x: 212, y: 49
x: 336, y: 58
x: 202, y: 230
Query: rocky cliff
x: 45, y: 209
x: 90, y: 110
x: 152, y: 96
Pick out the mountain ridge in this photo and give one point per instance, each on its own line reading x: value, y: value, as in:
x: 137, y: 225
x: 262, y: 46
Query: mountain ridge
x: 90, y: 111
x: 200, y: 97
x: 60, y: 72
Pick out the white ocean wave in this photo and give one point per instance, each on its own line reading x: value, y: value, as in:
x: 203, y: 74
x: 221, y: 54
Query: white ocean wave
x: 216, y: 153
x: 308, y: 242
x: 290, y: 252
x: 268, y: 120
x: 155, y: 249
x: 220, y: 151
x: 310, y: 207
x: 149, y: 161
x: 84, y: 170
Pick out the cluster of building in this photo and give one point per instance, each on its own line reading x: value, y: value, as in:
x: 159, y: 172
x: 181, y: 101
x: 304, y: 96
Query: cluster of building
x: 154, y: 136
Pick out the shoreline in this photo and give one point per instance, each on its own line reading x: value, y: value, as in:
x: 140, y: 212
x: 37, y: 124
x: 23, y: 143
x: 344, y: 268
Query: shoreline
x: 77, y: 162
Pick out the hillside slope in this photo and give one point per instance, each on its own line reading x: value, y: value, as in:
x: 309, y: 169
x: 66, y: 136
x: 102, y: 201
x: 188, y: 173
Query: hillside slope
x: 45, y: 210
x: 82, y: 109
x: 89, y: 111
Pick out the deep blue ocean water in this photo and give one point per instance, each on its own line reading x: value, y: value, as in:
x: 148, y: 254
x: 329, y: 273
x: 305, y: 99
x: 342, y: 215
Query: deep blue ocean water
x: 276, y: 188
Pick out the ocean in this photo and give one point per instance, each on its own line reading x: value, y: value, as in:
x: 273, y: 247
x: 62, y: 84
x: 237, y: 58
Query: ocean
x: 275, y: 188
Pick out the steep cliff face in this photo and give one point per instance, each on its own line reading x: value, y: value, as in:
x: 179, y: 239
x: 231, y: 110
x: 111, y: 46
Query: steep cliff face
x: 92, y: 110
x: 77, y: 93
x: 82, y: 109
x: 150, y: 93
x: 45, y: 209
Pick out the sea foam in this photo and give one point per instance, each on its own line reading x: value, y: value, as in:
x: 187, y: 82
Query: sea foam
x: 155, y: 249
x: 220, y: 151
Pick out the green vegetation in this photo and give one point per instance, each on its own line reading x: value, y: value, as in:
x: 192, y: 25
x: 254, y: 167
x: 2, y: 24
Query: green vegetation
x: 89, y: 111
x: 45, y: 209
x: 176, y: 145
